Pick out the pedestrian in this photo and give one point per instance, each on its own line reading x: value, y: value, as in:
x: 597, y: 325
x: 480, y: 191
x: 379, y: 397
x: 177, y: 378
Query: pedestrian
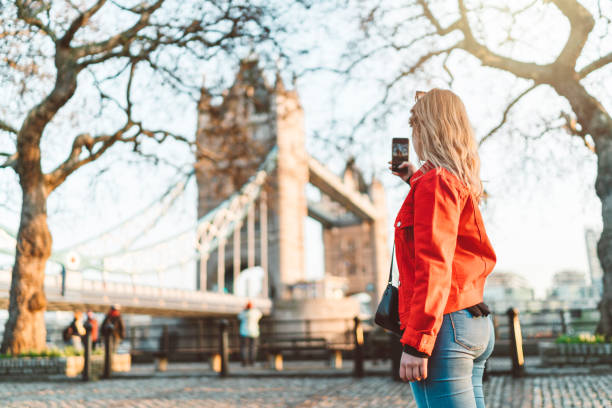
x: 76, y: 331
x: 113, y: 326
x: 249, y: 333
x: 444, y: 256
x: 93, y: 323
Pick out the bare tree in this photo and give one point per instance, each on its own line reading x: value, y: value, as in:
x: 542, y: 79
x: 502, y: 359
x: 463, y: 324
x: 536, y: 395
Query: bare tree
x: 426, y: 32
x: 47, y: 48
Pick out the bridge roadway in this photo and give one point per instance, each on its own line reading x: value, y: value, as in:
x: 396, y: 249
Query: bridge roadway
x: 138, y: 299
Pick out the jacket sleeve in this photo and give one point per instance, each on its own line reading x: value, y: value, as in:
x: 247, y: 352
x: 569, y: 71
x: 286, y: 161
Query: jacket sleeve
x: 437, y: 207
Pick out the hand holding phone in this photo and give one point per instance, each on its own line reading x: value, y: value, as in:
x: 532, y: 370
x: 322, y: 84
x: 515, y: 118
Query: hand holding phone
x: 399, y: 153
x: 400, y: 166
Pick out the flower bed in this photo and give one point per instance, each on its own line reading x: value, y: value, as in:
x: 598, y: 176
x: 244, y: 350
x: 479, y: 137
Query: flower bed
x: 576, y: 350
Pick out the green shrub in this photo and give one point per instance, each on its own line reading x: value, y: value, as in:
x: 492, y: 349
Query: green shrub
x: 55, y: 352
x: 583, y: 338
x: 70, y: 351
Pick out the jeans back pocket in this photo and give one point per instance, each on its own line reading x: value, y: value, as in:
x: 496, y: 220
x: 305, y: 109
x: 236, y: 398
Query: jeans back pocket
x: 470, y: 332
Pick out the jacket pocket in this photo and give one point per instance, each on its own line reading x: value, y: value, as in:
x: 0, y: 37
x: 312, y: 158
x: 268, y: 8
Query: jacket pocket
x: 404, y: 219
x: 404, y: 248
x: 472, y: 333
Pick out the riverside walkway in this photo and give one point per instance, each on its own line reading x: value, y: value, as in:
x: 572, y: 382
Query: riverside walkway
x: 187, y: 385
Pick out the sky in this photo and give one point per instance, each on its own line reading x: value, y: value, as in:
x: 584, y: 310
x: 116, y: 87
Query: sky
x: 541, y: 192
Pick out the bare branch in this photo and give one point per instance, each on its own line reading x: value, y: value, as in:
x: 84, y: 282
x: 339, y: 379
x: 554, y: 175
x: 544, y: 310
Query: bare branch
x: 595, y: 65
x: 528, y: 70
x: 160, y: 136
x: 7, y: 128
x: 97, y: 145
x: 10, y: 161
x: 128, y: 90
x: 484, y: 54
x: 581, y: 24
x: 505, y: 115
x: 29, y: 16
x: 367, y: 56
x: 73, y: 162
x: 122, y: 39
x: 434, y: 21
x: 405, y: 73
x: 571, y: 127
x: 80, y: 21
x: 448, y: 71
x: 14, y: 33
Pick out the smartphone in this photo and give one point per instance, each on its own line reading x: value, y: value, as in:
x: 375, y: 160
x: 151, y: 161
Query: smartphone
x: 399, y: 153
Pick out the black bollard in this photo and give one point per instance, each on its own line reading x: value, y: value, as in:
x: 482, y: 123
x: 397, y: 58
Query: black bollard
x: 108, y: 352
x: 63, y: 289
x: 164, y: 342
x: 516, y: 343
x: 224, y: 347
x: 87, y: 352
x: 563, y: 322
x: 164, y: 350
x: 358, y: 351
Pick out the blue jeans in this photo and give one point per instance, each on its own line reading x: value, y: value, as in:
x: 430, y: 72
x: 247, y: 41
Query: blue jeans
x: 456, y: 365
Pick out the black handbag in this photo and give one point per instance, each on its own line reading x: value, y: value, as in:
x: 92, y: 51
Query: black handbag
x: 387, y: 313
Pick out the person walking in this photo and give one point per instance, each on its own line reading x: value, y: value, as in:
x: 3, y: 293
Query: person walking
x: 113, y: 326
x: 93, y: 323
x: 77, y: 331
x: 443, y: 255
x: 249, y: 333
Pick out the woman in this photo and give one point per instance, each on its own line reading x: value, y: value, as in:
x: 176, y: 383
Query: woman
x: 443, y: 256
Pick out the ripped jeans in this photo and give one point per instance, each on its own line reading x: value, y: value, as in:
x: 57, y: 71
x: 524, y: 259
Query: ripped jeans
x: 456, y: 365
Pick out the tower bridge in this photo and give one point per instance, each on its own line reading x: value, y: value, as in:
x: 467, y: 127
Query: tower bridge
x: 250, y: 227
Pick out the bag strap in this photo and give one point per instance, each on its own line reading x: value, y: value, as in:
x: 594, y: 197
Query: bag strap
x: 391, y: 267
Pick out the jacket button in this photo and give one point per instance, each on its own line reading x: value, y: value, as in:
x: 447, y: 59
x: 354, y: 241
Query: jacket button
x: 399, y: 223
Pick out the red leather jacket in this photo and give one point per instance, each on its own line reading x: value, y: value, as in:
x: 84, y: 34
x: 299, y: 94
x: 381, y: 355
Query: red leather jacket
x: 443, y: 254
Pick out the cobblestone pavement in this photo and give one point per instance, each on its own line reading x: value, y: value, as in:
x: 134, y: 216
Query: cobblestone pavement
x: 375, y: 391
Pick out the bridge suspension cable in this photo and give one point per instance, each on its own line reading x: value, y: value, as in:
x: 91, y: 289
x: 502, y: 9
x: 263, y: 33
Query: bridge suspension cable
x: 190, y: 244
x: 174, y: 252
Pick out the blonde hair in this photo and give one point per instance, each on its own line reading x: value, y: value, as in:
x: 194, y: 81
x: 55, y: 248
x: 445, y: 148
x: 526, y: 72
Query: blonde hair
x: 446, y: 137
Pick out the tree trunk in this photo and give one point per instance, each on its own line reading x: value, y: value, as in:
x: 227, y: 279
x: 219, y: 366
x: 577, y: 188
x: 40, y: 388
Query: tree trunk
x: 25, y: 328
x: 596, y: 121
x: 604, y: 246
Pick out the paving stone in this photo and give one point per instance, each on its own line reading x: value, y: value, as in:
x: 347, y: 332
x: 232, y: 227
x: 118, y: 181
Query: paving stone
x: 551, y: 391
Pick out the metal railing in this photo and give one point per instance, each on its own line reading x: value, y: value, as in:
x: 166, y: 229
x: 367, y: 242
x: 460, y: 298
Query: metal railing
x: 548, y: 324
x: 217, y: 339
x: 517, y: 335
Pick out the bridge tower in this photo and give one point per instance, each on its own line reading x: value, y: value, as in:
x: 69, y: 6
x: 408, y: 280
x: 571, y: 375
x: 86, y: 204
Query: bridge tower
x: 233, y: 137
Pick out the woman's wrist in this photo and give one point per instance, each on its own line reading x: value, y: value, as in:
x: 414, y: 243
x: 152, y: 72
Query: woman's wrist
x: 414, y: 352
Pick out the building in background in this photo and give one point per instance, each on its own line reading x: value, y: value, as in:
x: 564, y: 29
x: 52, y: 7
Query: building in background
x: 571, y: 289
x: 348, y: 245
x: 506, y: 289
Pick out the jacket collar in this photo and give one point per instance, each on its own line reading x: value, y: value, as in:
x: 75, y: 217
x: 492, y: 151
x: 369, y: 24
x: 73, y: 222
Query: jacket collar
x: 421, y: 171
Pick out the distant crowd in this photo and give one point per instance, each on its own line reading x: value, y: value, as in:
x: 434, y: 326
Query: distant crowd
x: 75, y: 333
